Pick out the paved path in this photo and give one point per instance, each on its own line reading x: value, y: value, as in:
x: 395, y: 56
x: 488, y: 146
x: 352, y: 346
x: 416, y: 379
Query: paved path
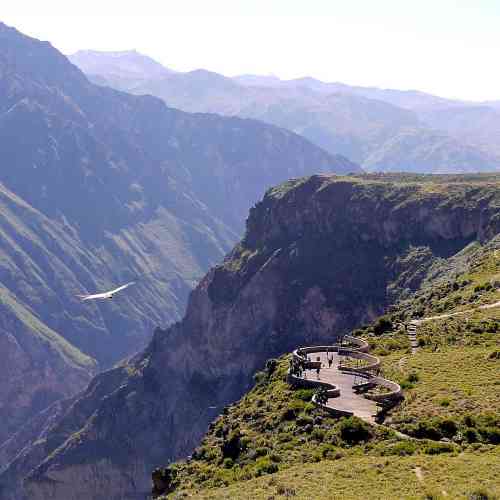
x: 412, y: 327
x: 348, y: 399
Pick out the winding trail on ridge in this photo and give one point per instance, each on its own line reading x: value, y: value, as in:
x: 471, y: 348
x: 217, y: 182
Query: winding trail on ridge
x: 412, y: 328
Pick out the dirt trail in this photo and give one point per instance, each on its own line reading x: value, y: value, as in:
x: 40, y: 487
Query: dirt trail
x: 412, y: 328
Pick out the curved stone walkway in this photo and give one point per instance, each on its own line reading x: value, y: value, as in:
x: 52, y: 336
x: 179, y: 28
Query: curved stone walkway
x: 348, y: 400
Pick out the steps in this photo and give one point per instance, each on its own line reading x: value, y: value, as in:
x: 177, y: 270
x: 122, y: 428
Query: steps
x: 412, y: 335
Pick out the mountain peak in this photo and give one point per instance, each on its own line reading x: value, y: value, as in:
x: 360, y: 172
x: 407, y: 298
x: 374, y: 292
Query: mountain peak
x: 131, y: 63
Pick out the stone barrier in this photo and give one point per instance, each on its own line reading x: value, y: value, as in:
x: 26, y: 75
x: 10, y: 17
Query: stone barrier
x: 373, y: 361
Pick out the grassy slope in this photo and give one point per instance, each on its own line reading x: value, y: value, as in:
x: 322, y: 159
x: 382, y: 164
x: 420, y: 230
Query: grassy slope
x: 30, y: 323
x: 441, y: 477
x: 451, y: 392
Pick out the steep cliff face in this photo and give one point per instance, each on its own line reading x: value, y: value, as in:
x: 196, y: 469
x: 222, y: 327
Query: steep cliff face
x: 98, y: 187
x: 320, y: 256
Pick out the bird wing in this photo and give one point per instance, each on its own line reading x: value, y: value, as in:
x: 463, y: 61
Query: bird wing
x: 112, y: 292
x: 104, y: 295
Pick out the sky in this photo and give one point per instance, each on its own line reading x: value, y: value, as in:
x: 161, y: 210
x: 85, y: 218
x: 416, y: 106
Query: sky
x: 448, y: 48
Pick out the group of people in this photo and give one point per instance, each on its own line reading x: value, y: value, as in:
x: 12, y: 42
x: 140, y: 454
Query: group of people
x: 298, y: 366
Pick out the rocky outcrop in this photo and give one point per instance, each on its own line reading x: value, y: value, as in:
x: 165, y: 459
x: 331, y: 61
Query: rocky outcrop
x: 320, y: 256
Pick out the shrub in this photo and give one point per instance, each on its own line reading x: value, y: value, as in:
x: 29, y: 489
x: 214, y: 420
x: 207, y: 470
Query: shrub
x: 490, y: 434
x: 309, y: 408
x: 303, y: 394
x: 265, y: 466
x: 405, y: 384
x: 471, y: 435
x: 271, y: 365
x: 382, y: 325
x: 231, y: 446
x: 260, y: 378
x: 262, y: 451
x: 402, y: 448
x: 304, y: 420
x: 318, y: 435
x: 480, y: 495
x: 433, y: 448
x: 353, y: 430
x: 469, y: 421
x: 413, y: 377
x: 294, y: 408
x: 448, y: 427
x: 424, y: 429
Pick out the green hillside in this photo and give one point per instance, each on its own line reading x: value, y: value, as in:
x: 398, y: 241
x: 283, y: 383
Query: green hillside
x: 274, y: 443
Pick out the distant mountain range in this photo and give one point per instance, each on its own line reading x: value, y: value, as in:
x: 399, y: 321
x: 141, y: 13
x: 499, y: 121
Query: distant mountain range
x: 99, y: 187
x: 382, y: 129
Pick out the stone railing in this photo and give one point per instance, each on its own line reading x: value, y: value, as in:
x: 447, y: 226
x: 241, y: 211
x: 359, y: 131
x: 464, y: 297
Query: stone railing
x: 366, y: 372
x: 394, y: 394
x: 360, y: 344
x: 310, y: 383
x: 373, y: 363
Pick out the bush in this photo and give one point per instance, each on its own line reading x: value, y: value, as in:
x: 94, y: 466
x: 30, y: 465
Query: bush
x: 271, y: 365
x: 294, y: 408
x: 303, y: 394
x: 448, y: 427
x: 265, y: 466
x: 382, y: 325
x: 469, y: 421
x: 231, y: 446
x: 402, y: 448
x: 318, y: 435
x: 353, y: 430
x: 471, y: 435
x: 304, y: 420
x: 424, y: 429
x: 490, y: 434
x: 262, y: 451
x: 480, y: 495
x: 437, y: 448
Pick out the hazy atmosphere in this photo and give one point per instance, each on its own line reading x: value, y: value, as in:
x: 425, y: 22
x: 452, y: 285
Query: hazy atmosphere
x: 446, y: 47
x: 249, y: 250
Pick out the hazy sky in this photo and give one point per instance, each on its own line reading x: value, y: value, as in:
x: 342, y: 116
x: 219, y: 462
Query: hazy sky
x: 445, y: 47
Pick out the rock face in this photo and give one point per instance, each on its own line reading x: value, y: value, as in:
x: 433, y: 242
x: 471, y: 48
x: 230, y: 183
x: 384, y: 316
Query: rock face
x: 320, y: 256
x: 98, y: 187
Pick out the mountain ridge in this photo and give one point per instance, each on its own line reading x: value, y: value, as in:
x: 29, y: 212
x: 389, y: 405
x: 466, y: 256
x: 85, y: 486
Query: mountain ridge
x: 323, y: 113
x: 99, y: 187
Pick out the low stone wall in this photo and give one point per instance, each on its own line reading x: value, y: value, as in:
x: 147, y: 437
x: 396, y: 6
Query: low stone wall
x: 394, y: 395
x: 373, y: 361
x: 301, y: 354
x: 307, y: 383
x: 361, y: 345
x: 395, y: 392
x: 333, y: 392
